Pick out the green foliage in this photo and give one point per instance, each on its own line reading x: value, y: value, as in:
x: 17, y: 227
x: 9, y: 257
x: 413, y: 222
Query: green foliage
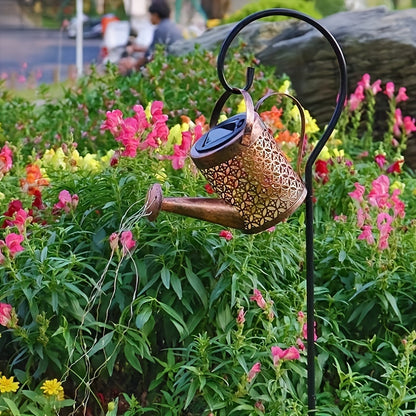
x: 327, y: 7
x: 305, y: 6
x: 174, y: 324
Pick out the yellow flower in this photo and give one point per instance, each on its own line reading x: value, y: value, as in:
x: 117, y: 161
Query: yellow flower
x: 2, y: 196
x: 285, y: 87
x: 338, y: 153
x: 53, y: 388
x: 325, y: 155
x: 175, y: 134
x: 8, y: 384
x: 397, y: 185
x: 161, y: 176
x: 241, y: 107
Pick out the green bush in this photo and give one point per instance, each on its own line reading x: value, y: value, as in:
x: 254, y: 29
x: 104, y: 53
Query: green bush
x: 305, y: 6
x: 180, y: 316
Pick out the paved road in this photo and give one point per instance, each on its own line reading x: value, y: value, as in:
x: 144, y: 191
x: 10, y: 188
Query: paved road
x: 41, y: 52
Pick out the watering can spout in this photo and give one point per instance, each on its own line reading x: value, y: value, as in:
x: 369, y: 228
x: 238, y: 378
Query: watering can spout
x: 208, y: 209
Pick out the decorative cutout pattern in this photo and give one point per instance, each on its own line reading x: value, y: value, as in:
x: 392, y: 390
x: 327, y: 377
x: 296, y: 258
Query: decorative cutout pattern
x: 259, y: 182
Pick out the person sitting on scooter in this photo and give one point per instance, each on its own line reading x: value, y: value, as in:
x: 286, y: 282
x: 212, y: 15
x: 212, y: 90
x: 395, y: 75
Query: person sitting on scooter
x: 166, y: 33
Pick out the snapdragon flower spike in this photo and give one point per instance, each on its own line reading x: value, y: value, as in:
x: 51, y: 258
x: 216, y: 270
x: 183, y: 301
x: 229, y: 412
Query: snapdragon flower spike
x: 253, y: 371
x: 5, y: 314
x: 258, y: 298
x: 6, y: 160
x: 278, y: 354
x: 13, y: 243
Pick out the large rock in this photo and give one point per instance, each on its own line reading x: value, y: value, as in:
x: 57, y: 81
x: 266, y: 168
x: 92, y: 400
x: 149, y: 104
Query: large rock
x: 377, y: 41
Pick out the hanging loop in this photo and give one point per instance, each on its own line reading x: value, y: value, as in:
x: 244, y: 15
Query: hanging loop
x: 342, y: 93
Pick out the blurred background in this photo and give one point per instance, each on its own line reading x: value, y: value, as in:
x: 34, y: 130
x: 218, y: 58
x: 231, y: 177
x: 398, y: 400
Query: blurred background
x: 38, y: 38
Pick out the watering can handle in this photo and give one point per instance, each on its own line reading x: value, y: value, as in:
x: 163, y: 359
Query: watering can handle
x: 249, y: 110
x: 301, y: 144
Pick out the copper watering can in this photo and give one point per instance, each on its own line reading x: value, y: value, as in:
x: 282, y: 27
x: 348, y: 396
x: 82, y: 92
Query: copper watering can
x: 242, y: 162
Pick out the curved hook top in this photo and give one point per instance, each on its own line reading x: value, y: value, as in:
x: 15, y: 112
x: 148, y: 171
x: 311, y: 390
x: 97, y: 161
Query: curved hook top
x: 342, y: 93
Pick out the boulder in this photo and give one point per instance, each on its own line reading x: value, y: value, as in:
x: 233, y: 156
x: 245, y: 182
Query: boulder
x: 375, y: 41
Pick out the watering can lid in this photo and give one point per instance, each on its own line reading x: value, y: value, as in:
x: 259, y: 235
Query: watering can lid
x: 221, y: 133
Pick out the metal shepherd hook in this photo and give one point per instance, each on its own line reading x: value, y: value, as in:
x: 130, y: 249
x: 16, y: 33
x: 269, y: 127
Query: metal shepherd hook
x: 342, y: 94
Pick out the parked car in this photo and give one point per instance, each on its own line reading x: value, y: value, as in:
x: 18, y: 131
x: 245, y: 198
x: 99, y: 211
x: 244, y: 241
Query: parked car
x: 91, y: 27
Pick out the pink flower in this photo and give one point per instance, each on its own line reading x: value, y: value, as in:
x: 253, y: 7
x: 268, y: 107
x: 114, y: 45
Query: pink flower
x: 356, y: 98
x: 358, y: 193
x: 67, y: 202
x: 254, y: 370
x: 380, y: 159
x: 398, y: 122
x: 5, y: 314
x: 376, y: 87
x: 389, y: 91
x: 305, y: 331
x: 301, y: 317
x: 180, y: 152
x: 409, y: 125
x: 20, y: 219
x: 365, y: 81
x: 367, y: 235
x: 258, y: 297
x: 6, y: 161
x: 113, y: 241
x: 113, y: 122
x: 127, y: 242
x: 241, y: 317
x: 13, y: 241
x: 300, y: 344
x: 398, y: 205
x: 292, y: 353
x: 226, y: 234
x: 142, y: 123
x: 401, y: 95
x: 260, y: 406
x: 340, y: 218
x: 379, y: 192
x: 362, y: 216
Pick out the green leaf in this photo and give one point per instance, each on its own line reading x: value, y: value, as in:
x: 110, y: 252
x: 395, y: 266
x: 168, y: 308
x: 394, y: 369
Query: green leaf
x: 176, y: 285
x: 165, y: 275
x: 342, y: 256
x: 196, y: 284
x: 101, y: 343
x: 393, y: 304
x: 131, y: 357
x: 13, y: 408
x: 191, y: 392
x: 142, y: 317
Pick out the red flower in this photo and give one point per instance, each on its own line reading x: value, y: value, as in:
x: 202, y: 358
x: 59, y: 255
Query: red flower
x: 395, y: 167
x: 226, y: 234
x: 321, y: 170
x: 209, y: 189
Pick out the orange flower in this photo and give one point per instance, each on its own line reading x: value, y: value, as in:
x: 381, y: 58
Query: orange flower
x: 287, y: 137
x: 33, y: 180
x: 272, y: 118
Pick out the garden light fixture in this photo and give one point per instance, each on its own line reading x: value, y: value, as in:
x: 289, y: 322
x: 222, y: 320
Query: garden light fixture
x: 256, y: 184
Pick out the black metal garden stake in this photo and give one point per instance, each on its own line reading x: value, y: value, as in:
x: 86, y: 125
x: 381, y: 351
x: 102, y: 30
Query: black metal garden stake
x: 309, y: 233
